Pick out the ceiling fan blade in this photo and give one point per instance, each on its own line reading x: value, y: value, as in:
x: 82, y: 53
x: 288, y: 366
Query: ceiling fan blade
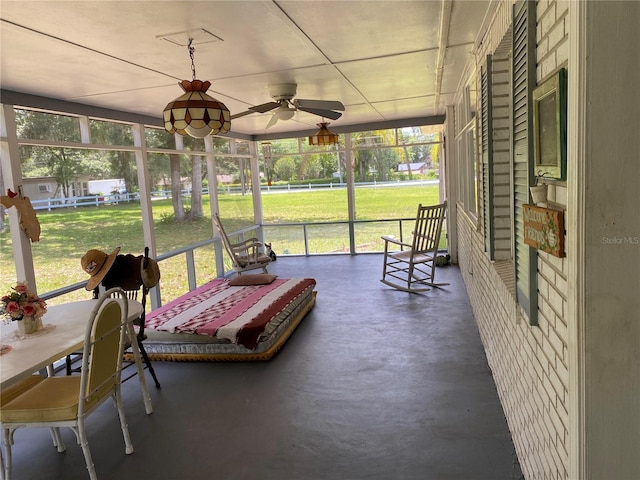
x: 273, y: 121
x: 265, y: 107
x: 322, y: 113
x: 321, y: 104
x: 242, y: 114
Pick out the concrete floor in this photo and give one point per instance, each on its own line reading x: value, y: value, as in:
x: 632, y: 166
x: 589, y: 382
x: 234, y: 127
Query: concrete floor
x: 374, y: 384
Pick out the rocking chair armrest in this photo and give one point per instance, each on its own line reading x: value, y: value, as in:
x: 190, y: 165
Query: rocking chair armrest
x: 249, y: 240
x: 250, y: 251
x: 393, y: 240
x: 245, y: 246
x: 248, y: 243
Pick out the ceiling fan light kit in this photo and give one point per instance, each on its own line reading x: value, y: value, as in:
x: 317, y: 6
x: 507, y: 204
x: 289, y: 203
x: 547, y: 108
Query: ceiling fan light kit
x: 324, y: 136
x: 195, y: 113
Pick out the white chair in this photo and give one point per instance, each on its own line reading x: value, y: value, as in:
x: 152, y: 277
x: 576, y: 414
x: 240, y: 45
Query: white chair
x: 246, y: 255
x: 411, y: 266
x: 66, y: 401
x: 10, y: 393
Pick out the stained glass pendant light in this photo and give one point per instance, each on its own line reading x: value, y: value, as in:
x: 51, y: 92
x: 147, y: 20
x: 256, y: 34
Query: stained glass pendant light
x: 324, y: 136
x: 195, y: 113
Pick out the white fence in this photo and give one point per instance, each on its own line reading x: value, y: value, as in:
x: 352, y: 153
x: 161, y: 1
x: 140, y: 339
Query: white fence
x: 116, y: 198
x: 91, y: 200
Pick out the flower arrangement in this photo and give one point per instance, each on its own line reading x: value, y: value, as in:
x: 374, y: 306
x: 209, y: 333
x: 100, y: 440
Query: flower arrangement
x: 20, y: 303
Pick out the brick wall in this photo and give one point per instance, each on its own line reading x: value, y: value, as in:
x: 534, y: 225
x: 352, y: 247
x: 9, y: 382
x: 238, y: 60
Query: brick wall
x: 529, y: 364
x: 526, y: 361
x: 552, y: 54
x: 552, y: 38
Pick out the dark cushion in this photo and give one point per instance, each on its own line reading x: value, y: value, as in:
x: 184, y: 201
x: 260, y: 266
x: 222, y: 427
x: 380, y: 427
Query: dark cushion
x: 252, y: 279
x: 125, y: 273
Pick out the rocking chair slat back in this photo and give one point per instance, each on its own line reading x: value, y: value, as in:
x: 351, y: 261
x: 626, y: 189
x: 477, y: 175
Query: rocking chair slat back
x: 411, y: 266
x: 426, y: 235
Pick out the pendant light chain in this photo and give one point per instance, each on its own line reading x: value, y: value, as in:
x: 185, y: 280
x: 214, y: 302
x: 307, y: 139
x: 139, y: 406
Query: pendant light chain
x: 191, y: 52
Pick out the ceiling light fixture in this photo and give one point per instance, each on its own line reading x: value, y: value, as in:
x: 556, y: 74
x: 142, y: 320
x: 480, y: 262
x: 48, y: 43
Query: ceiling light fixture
x: 195, y: 113
x: 324, y: 136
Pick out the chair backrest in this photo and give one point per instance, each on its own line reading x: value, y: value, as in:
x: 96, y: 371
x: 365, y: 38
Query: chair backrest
x: 126, y: 274
x: 428, y: 227
x: 103, y: 349
x: 225, y: 241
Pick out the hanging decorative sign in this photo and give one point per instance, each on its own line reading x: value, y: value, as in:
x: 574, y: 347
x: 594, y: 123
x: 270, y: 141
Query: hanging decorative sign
x: 26, y: 214
x: 544, y: 229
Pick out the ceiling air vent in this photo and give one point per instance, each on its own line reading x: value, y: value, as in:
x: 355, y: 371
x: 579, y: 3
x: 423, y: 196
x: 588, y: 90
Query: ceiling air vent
x: 199, y: 36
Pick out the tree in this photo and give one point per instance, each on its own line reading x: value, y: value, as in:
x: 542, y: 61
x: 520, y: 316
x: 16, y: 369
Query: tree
x: 170, y: 170
x: 122, y: 164
x: 434, y: 155
x: 373, y: 155
x: 309, y: 167
x: 159, y: 163
x: 328, y: 163
x: 182, y: 166
x: 285, y: 168
x: 407, y: 160
x: 176, y: 188
x: 65, y: 165
x: 197, y: 176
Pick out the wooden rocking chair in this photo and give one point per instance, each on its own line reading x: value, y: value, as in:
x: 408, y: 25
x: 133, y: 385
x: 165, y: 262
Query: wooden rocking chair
x: 411, y: 266
x: 246, y: 255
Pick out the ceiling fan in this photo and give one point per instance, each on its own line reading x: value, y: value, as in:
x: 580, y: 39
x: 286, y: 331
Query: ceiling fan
x: 285, y: 106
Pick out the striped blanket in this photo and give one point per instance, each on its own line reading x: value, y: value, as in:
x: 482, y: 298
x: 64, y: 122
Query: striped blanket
x: 237, y: 314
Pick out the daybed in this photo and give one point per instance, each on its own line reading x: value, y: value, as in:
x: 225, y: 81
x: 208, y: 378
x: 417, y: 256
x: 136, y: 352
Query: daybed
x: 230, y: 320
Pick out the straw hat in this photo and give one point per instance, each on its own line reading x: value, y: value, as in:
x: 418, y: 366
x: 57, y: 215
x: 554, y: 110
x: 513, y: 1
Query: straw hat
x: 97, y: 263
x: 151, y: 273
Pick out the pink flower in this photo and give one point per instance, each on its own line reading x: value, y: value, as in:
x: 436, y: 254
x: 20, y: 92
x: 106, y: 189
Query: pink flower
x: 13, y: 307
x: 21, y: 302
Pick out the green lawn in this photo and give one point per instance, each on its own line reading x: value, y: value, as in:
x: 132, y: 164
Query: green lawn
x: 68, y: 233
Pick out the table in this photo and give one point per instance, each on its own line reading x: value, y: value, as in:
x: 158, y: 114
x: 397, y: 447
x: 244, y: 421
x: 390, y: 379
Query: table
x: 68, y: 324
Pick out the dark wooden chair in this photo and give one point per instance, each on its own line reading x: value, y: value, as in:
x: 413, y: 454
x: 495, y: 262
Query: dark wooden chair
x: 127, y: 273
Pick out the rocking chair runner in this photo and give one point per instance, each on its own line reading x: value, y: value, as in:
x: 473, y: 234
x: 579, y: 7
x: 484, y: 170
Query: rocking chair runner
x: 246, y: 255
x: 411, y: 266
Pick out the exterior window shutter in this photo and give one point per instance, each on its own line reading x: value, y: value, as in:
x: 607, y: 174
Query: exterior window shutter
x: 524, y: 82
x: 487, y: 159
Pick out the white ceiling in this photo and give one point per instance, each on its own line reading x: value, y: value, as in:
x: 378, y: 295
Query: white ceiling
x: 384, y: 60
